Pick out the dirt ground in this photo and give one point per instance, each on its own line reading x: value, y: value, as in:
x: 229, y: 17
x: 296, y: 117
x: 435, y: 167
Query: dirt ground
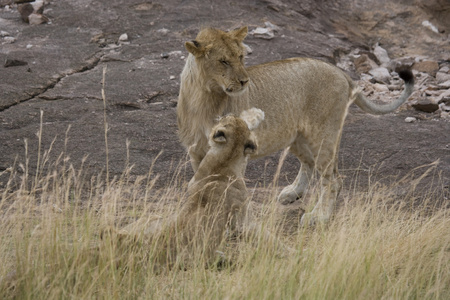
x: 65, y: 60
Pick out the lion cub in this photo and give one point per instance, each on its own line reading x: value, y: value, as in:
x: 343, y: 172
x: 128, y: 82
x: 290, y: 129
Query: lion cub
x: 217, y: 196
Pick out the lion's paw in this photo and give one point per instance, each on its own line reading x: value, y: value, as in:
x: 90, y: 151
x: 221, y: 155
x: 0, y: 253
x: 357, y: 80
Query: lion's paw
x: 288, y: 195
x: 311, y: 219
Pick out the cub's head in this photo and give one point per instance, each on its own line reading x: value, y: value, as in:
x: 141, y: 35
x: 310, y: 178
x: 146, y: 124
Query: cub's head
x: 234, y: 135
x: 220, y: 56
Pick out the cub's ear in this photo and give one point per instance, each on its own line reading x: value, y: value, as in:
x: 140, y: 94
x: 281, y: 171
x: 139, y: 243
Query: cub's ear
x: 196, y: 49
x: 219, y: 136
x: 239, y: 33
x: 250, y: 147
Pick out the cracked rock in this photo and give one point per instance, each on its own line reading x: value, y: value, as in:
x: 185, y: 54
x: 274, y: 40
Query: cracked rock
x: 425, y: 105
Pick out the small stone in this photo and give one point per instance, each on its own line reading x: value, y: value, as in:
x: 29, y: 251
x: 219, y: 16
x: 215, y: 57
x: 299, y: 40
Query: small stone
x: 444, y: 97
x: 444, y: 69
x: 9, y: 40
x: 263, y: 33
x: 430, y: 26
x: 410, y: 119
x: 173, y: 102
x: 25, y: 10
x: 248, y: 50
x: 123, y: 37
x: 37, y: 19
x: 382, y: 55
x: 381, y: 74
x: 14, y: 63
x: 29, y: 46
x: 165, y: 55
x: 182, y: 57
x: 163, y: 31
x: 271, y: 26
x: 364, y: 64
x: 395, y: 87
x: 427, y: 66
x: 444, y: 107
x: 4, y: 33
x: 172, y: 77
x: 177, y: 52
x: 445, y: 115
x: 444, y: 85
x: 425, y: 105
x: 381, y: 88
x: 442, y: 77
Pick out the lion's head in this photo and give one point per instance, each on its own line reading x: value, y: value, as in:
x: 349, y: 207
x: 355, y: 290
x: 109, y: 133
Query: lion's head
x: 220, y: 56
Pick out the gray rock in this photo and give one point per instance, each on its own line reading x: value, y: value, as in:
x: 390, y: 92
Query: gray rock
x: 364, y: 64
x: 123, y: 37
x: 263, y: 33
x: 444, y: 69
x: 14, y: 63
x: 381, y: 74
x: 382, y: 55
x: 444, y: 85
x: 425, y: 105
x: 442, y: 77
x: 36, y: 19
x: 8, y: 40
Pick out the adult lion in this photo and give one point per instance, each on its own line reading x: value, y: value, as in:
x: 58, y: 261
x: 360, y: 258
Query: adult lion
x: 305, y: 103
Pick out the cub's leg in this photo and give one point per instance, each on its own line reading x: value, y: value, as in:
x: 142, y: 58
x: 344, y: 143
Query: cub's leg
x: 296, y: 190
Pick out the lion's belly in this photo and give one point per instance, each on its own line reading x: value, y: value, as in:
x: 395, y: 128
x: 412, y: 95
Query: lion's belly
x: 273, y: 140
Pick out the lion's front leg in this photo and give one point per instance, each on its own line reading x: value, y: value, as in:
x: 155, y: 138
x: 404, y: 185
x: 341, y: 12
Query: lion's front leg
x: 296, y: 190
x: 196, y: 156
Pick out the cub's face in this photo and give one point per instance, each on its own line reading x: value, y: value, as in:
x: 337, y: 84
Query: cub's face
x: 232, y: 137
x: 220, y: 56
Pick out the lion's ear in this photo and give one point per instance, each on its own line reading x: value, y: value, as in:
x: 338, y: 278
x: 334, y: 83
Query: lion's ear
x: 196, y: 49
x: 239, y: 33
x: 219, y: 136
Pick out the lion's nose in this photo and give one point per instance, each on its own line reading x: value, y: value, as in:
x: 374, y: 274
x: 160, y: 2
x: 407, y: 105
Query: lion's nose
x: 244, y: 82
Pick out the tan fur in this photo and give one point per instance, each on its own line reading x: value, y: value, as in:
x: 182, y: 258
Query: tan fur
x: 217, y: 197
x: 305, y: 102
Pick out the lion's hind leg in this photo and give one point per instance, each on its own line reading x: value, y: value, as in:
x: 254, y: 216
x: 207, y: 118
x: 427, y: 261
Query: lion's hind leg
x: 330, y: 186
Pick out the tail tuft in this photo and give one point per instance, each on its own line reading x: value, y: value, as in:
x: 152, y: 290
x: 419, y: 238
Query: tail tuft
x: 406, y: 75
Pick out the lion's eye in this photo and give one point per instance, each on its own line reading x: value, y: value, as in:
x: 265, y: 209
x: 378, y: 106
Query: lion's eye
x: 224, y: 62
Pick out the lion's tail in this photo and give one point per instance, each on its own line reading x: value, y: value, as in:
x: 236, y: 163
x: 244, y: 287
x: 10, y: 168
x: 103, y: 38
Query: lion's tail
x: 379, y: 109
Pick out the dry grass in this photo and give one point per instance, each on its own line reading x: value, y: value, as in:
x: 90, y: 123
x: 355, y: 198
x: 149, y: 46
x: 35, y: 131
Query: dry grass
x: 376, y: 247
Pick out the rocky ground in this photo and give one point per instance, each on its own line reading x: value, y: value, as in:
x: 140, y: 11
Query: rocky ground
x: 53, y: 56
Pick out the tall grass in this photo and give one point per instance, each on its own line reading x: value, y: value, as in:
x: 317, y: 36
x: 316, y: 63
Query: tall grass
x: 56, y: 242
x: 377, y: 246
